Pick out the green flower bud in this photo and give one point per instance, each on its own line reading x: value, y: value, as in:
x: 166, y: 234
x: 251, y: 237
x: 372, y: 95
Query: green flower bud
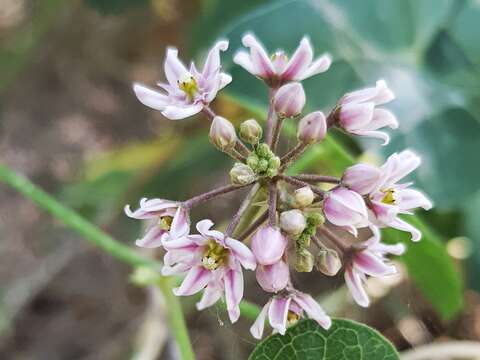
x: 328, y: 262
x: 274, y: 162
x: 271, y: 172
x: 263, y: 151
x: 242, y: 174
x: 262, y: 165
x: 304, y: 261
x: 252, y: 161
x: 315, y: 219
x: 250, y: 131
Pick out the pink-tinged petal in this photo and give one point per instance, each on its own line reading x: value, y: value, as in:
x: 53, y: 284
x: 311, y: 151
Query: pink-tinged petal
x: 278, y: 312
x: 261, y: 62
x: 374, y: 134
x: 300, y: 60
x: 186, y: 254
x: 356, y: 116
x: 320, y: 65
x: 354, y: 284
x: 268, y: 245
x: 345, y: 208
x: 273, y: 278
x: 180, y: 224
x: 313, y: 309
x: 242, y: 253
x: 384, y: 94
x: 196, y: 279
x: 177, y: 269
x: 211, y: 294
x: 396, y: 249
x: 370, y: 264
x: 243, y: 59
x: 170, y: 243
x: 380, y: 94
x: 384, y: 213
x: 181, y: 112
x: 225, y: 79
x: 212, y: 63
x: 257, y: 328
x: 361, y: 178
x: 382, y: 118
x: 174, y: 68
x: 399, y: 224
x: 279, y: 61
x: 412, y: 199
x: 400, y: 165
x: 203, y: 226
x: 156, y: 205
x: 200, y: 240
x: 150, y: 97
x: 233, y: 281
x: 152, y: 238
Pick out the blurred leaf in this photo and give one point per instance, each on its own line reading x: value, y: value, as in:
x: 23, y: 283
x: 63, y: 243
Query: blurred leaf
x: 472, y: 227
x: 346, y: 339
x: 115, y: 7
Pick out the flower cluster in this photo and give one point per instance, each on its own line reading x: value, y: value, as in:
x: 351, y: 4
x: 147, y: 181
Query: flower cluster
x: 309, y: 221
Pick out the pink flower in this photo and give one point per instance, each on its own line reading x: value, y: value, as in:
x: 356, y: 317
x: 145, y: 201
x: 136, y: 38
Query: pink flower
x: 168, y: 220
x: 286, y: 309
x: 187, y: 91
x: 273, y: 278
x: 358, y: 113
x: 278, y: 69
x: 268, y: 245
x: 289, y: 100
x: 369, y: 261
x: 345, y: 208
x: 212, y: 262
x: 387, y: 198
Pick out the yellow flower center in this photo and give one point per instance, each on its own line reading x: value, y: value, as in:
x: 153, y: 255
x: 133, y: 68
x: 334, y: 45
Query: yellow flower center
x: 276, y: 55
x: 292, y: 317
x: 165, y: 222
x: 214, y: 256
x: 188, y: 85
x: 390, y: 197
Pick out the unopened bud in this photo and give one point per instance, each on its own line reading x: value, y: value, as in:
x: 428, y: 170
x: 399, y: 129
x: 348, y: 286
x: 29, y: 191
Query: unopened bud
x: 222, y: 134
x: 250, y: 131
x: 304, y: 261
x: 262, y: 165
x: 263, y: 150
x: 242, y: 174
x: 273, y: 278
x: 312, y: 128
x: 292, y: 222
x: 252, y: 161
x: 328, y: 262
x: 274, y: 162
x: 289, y: 100
x: 303, y: 197
x: 315, y: 219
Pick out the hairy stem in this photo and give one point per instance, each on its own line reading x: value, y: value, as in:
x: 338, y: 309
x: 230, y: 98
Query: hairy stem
x: 272, y: 203
x: 318, y: 178
x: 299, y: 183
x: 243, y: 207
x: 292, y: 155
x: 236, y: 155
x: 270, y: 117
x: 333, y: 238
x: 242, y: 148
x: 208, y: 112
x: 253, y: 226
x: 276, y: 133
x: 212, y: 194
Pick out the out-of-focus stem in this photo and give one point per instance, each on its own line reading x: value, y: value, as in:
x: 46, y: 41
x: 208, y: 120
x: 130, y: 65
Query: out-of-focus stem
x: 333, y: 238
x: 300, y: 183
x: 318, y: 178
x: 243, y: 207
x: 208, y: 112
x: 212, y: 194
x: 272, y: 203
x: 292, y: 155
x: 270, y: 117
x: 242, y: 148
x: 276, y: 133
x: 253, y: 226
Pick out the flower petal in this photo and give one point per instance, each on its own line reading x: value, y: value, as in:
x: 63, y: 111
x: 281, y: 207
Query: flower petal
x: 399, y: 224
x: 261, y: 62
x: 152, y: 238
x: 211, y: 294
x: 257, y: 328
x: 173, y: 112
x: 278, y: 312
x: 196, y: 279
x: 233, y: 281
x: 212, y: 63
x: 370, y: 264
x: 354, y: 284
x: 313, y: 309
x: 174, y: 68
x: 180, y: 224
x: 412, y: 199
x: 320, y: 65
x: 150, y: 97
x: 300, y: 60
x: 242, y: 253
x: 356, y: 116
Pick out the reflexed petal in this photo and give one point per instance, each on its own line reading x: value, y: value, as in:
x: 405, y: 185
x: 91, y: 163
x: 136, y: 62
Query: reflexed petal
x: 404, y: 226
x: 174, y: 68
x: 179, y: 268
x: 401, y: 165
x: 384, y: 94
x: 242, y: 253
x: 243, y: 59
x: 300, y: 60
x: 384, y: 212
x: 225, y: 79
x: 411, y: 199
x: 374, y: 134
x: 150, y: 97
x: 185, y: 254
x: 257, y: 328
x: 262, y: 65
x: 354, y: 284
x: 180, y: 224
x: 152, y: 238
x: 313, y: 309
x: 212, y: 63
x: 370, y: 264
x: 396, y: 249
x: 196, y: 279
x: 320, y: 65
x: 361, y: 178
x: 211, y: 295
x: 233, y: 281
x: 382, y: 118
x: 278, y: 312
x: 181, y: 112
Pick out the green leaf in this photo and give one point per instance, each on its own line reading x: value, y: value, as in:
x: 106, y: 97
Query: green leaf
x: 115, y: 7
x: 345, y: 340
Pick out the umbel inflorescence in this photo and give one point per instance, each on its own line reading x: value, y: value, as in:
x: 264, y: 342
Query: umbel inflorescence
x: 301, y: 225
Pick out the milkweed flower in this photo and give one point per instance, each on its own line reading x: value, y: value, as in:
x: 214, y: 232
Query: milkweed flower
x: 212, y: 262
x: 286, y: 309
x: 358, y: 113
x: 346, y: 208
x: 386, y: 197
x: 273, y: 278
x: 369, y: 261
x: 167, y: 219
x: 268, y: 245
x: 187, y: 91
x: 278, y: 69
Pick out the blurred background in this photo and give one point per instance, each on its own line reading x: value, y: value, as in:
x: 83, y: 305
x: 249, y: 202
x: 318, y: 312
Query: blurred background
x: 70, y: 122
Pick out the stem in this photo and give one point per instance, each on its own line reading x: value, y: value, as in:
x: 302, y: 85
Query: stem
x: 236, y: 155
x: 242, y: 148
x: 318, y: 178
x: 253, y: 226
x: 270, y: 117
x: 277, y: 132
x: 176, y: 318
x: 243, y: 207
x: 208, y: 112
x: 212, y: 194
x: 334, y: 238
x: 300, y: 183
x: 292, y: 155
x: 447, y: 350
x: 272, y: 203
x: 318, y: 242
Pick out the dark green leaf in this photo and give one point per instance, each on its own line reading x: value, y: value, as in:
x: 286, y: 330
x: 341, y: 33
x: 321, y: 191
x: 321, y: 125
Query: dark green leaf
x: 345, y: 340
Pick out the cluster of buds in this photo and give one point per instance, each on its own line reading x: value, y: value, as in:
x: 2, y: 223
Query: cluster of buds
x: 311, y: 222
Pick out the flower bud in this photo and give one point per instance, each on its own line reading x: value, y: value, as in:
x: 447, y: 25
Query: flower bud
x: 263, y: 150
x: 303, y: 197
x: 289, y: 100
x: 262, y: 165
x: 252, y: 161
x: 292, y: 222
x: 222, y: 134
x: 250, y: 131
x: 274, y: 162
x: 268, y: 245
x: 242, y: 174
x: 328, y: 262
x: 304, y: 261
x: 312, y: 128
x: 273, y: 278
